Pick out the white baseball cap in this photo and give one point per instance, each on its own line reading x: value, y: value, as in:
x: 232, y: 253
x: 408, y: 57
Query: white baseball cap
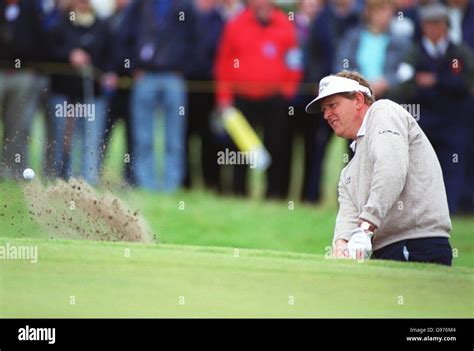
x: 331, y: 85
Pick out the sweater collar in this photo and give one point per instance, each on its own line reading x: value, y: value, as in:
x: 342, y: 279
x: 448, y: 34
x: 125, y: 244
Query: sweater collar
x: 360, y: 133
x: 435, y: 51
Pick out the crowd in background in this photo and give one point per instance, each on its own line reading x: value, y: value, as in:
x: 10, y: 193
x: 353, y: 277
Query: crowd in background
x: 190, y: 60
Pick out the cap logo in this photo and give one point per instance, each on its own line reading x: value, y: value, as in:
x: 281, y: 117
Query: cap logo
x: 323, y: 86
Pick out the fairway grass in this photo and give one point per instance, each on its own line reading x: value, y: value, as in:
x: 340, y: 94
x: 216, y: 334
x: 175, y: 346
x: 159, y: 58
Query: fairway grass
x: 220, y: 257
x: 106, y: 279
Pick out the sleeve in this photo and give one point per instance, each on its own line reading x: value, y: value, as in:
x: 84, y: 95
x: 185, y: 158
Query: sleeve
x: 293, y: 63
x: 387, y: 134
x: 347, y: 216
x: 396, y: 52
x: 224, y: 67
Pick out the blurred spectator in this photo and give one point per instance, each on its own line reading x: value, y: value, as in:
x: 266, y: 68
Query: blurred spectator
x: 51, y: 12
x: 372, y: 50
x: 201, y: 95
x: 406, y: 22
x: 258, y: 69
x: 104, y: 9
x: 231, y: 8
x: 119, y: 96
x: 22, y: 44
x: 330, y: 24
x: 314, y: 37
x: 344, y: 15
x: 461, y: 19
x: 159, y: 37
x: 461, y: 15
x: 438, y: 75
x: 76, y: 108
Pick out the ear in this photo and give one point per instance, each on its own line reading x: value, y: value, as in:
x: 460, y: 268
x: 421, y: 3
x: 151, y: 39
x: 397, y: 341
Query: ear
x: 360, y: 100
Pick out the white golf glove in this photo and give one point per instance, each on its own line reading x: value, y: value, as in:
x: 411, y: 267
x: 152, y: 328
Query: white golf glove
x: 360, y: 242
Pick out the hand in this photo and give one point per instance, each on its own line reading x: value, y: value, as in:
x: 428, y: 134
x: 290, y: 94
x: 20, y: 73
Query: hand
x: 339, y: 249
x: 79, y: 58
x: 360, y: 246
x: 222, y: 107
x: 110, y: 81
x: 425, y: 79
x: 138, y: 74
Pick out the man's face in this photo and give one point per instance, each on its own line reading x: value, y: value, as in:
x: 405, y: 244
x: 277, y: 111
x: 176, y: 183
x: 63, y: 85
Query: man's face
x: 435, y: 30
x: 310, y: 7
x: 82, y: 5
x: 262, y: 8
x: 381, y: 16
x: 205, y: 5
x: 341, y: 115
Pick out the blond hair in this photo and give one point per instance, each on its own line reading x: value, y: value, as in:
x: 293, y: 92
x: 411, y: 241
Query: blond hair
x: 373, y: 4
x: 354, y: 75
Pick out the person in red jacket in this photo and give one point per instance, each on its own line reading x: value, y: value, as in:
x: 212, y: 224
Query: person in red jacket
x: 258, y: 69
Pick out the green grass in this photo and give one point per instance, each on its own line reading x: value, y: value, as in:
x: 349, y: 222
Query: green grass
x: 280, y: 247
x: 185, y: 281
x: 199, y: 218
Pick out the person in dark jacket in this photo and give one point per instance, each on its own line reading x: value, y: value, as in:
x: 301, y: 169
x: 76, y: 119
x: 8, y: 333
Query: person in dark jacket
x: 461, y: 16
x: 158, y: 36
x: 438, y: 77
x: 80, y: 47
x: 22, y: 45
x: 315, y: 37
x: 118, y: 95
x: 209, y: 26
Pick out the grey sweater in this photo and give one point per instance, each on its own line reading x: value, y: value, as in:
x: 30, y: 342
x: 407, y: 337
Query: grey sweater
x: 393, y: 181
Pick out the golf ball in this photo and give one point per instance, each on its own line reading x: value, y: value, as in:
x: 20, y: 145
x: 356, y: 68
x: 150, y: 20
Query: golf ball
x: 28, y: 174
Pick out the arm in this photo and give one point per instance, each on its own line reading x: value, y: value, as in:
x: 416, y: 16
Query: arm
x: 405, y: 88
x: 346, y: 220
x: 396, y: 52
x: 387, y: 135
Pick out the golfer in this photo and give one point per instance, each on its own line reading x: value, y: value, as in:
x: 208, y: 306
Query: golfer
x: 392, y: 199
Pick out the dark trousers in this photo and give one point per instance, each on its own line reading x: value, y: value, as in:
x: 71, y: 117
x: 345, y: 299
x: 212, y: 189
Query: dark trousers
x: 466, y: 202
x: 450, y: 141
x: 427, y: 250
x: 272, y: 114
x: 200, y: 106
x: 119, y: 108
